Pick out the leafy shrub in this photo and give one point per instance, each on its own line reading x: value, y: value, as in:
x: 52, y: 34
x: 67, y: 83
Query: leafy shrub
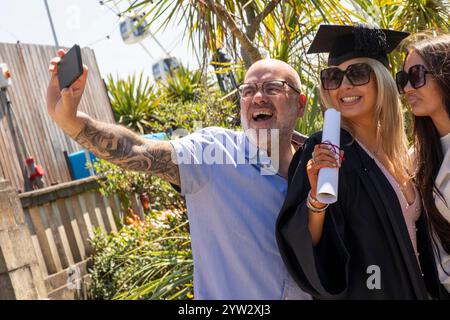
x: 124, y: 183
x: 182, y: 102
x: 152, y: 260
x: 208, y: 110
x: 183, y: 85
x: 134, y: 102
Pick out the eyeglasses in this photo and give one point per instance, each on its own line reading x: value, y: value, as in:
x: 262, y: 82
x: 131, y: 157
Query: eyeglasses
x: 358, y: 74
x: 416, y: 75
x: 269, y: 88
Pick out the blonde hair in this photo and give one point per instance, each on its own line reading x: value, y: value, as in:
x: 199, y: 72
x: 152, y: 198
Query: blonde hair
x: 389, y: 117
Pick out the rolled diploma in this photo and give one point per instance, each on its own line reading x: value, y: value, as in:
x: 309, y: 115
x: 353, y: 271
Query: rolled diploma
x: 327, y: 184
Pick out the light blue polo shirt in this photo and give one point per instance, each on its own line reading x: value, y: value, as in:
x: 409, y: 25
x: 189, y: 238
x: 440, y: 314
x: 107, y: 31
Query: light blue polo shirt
x: 232, y: 211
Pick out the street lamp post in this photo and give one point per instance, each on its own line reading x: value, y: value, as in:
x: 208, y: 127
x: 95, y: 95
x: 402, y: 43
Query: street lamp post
x: 51, y: 24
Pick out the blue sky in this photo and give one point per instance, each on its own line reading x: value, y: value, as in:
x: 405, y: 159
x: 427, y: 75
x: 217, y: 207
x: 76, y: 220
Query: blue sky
x: 87, y: 23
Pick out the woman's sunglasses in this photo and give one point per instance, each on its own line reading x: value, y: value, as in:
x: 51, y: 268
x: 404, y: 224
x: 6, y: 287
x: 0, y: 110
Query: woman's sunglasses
x: 416, y: 75
x: 358, y: 74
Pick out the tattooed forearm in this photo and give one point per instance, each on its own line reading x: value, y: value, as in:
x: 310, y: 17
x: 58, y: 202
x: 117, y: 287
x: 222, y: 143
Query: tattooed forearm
x: 129, y: 151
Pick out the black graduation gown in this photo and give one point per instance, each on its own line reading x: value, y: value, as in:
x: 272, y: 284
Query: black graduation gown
x: 364, y: 228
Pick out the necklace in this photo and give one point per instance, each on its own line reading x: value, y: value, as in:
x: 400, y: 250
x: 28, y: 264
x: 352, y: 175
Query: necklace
x: 375, y: 152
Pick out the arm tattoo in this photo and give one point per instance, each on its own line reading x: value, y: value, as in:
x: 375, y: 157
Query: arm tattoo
x: 129, y: 151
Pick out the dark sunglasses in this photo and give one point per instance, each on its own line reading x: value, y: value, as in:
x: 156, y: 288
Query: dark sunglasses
x: 358, y: 74
x: 416, y: 75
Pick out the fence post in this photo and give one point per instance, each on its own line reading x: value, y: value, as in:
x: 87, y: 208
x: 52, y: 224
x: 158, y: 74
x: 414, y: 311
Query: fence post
x: 20, y: 275
x: 136, y: 205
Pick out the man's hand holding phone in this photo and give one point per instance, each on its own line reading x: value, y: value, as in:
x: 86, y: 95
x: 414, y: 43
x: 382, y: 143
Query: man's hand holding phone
x: 62, y: 104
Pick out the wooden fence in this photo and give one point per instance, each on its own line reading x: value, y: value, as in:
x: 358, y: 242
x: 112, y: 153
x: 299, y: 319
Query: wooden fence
x: 26, y: 117
x: 61, y: 220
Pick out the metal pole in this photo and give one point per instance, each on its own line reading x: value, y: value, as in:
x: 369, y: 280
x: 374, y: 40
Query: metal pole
x: 159, y: 43
x: 146, y: 50
x: 51, y: 24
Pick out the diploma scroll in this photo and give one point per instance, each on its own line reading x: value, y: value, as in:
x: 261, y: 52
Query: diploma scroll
x: 327, y: 184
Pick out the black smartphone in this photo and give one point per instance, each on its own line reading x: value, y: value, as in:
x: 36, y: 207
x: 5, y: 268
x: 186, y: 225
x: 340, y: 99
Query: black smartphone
x: 70, y: 68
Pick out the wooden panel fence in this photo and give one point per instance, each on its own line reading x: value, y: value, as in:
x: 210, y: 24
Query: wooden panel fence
x: 61, y: 220
x: 26, y: 117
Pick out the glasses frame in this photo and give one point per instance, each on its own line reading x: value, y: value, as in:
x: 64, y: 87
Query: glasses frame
x: 401, y: 87
x: 344, y: 74
x: 260, y: 86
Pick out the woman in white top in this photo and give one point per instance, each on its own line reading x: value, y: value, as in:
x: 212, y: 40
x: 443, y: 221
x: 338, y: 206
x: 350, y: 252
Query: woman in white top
x: 425, y: 82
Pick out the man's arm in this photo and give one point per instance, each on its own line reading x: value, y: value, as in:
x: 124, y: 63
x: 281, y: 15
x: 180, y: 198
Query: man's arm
x: 128, y: 150
x: 110, y: 142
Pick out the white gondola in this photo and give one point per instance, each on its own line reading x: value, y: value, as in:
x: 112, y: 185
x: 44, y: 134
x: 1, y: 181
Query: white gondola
x: 133, y: 28
x: 164, y: 68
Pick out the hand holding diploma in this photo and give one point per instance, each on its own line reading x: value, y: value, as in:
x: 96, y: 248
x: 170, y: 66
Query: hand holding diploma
x: 323, y: 168
x: 327, y: 185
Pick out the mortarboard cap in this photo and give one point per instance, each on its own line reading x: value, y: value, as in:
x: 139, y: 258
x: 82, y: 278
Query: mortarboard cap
x: 348, y: 42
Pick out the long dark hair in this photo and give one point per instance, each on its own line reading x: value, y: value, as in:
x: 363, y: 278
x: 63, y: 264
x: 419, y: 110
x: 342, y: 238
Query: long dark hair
x: 429, y: 154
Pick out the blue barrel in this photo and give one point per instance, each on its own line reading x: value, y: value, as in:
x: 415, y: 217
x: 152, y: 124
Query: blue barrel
x: 77, y: 162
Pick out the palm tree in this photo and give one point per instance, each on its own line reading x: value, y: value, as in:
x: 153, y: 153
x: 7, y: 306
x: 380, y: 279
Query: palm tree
x: 412, y: 16
x: 243, y: 26
x: 284, y: 29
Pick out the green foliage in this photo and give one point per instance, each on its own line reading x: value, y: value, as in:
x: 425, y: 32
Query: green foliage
x: 145, y: 260
x: 312, y: 120
x: 181, y: 103
x: 183, y: 85
x: 152, y: 260
x: 134, y: 102
x: 208, y: 110
x: 115, y: 180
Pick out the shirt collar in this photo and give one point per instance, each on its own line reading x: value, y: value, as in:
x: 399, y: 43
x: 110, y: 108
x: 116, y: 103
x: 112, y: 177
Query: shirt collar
x: 256, y: 156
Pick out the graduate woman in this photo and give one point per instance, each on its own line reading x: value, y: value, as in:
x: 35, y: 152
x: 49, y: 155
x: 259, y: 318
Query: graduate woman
x: 372, y: 243
x: 425, y: 81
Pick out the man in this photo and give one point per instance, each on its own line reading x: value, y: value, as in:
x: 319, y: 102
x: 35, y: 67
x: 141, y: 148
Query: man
x: 232, y: 203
